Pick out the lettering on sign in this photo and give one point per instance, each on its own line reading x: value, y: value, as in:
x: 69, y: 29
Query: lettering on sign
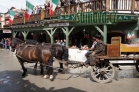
x: 58, y: 24
x: 126, y: 17
x: 7, y: 31
x: 96, y: 17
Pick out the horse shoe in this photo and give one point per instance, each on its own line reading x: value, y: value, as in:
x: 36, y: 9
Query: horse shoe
x: 51, y: 77
x: 45, y: 76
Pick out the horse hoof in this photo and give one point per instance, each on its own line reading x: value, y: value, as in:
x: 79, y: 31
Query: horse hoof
x: 23, y: 75
x: 45, y: 76
x: 60, y: 70
x: 51, y: 77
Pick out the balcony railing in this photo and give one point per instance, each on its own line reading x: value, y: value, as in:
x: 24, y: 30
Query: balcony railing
x: 94, y: 5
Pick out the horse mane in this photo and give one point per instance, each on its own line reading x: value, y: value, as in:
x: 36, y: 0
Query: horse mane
x: 17, y: 39
x: 33, y: 42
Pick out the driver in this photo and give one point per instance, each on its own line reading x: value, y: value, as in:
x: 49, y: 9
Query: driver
x: 99, y: 50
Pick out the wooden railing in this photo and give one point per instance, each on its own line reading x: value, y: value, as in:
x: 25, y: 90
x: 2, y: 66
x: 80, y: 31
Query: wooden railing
x: 91, y: 6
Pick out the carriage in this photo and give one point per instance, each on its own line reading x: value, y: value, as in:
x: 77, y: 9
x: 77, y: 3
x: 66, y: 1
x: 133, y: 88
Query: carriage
x: 104, y: 69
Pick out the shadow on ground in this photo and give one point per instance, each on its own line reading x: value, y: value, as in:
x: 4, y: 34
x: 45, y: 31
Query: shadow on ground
x: 11, y: 81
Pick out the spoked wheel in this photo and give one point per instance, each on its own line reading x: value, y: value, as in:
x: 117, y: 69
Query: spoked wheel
x: 137, y: 65
x: 103, y: 72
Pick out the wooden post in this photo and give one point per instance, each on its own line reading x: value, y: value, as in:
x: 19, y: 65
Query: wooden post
x: 42, y: 14
x: 133, y: 6
x: 24, y: 18
x: 50, y: 33
x: 25, y: 33
x: 69, y: 8
x: 107, y: 5
x: 67, y: 32
x: 105, y: 34
x: 14, y: 34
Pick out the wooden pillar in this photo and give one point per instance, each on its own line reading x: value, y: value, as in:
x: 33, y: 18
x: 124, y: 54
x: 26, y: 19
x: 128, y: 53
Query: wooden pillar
x: 69, y: 11
x: 107, y: 5
x: 99, y: 29
x: 25, y: 33
x: 133, y: 6
x: 105, y: 34
x: 14, y: 34
x: 51, y: 33
x: 67, y: 33
x: 42, y: 14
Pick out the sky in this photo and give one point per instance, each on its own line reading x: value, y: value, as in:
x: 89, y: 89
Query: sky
x: 18, y: 4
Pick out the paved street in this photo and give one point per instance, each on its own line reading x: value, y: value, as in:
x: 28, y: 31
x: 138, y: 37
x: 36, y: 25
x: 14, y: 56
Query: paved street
x: 74, y: 80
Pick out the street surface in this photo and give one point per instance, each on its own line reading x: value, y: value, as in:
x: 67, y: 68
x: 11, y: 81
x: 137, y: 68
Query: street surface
x: 74, y: 80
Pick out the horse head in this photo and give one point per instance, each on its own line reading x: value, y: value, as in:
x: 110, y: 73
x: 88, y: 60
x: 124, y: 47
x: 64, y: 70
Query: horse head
x: 15, y: 43
x: 60, y: 52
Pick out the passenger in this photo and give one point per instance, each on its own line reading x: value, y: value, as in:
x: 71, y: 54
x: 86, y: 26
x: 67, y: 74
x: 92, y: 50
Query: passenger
x: 99, y: 50
x: 85, y: 47
x: 91, y: 49
x: 74, y: 47
x: 58, y: 42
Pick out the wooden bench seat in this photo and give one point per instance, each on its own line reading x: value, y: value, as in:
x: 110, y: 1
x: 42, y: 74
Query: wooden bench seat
x: 117, y: 58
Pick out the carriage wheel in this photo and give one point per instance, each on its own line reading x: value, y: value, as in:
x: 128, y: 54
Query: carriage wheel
x: 103, y: 72
x: 137, y: 65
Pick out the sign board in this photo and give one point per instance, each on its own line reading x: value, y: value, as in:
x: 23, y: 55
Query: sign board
x: 96, y: 17
x: 58, y: 24
x: 77, y: 55
x: 126, y: 17
x: 7, y: 31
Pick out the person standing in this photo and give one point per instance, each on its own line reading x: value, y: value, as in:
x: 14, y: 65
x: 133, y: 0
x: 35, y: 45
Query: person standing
x: 62, y: 2
x: 63, y: 43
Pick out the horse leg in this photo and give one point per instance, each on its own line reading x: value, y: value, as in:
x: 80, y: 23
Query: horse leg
x: 23, y: 67
x: 47, y: 73
x: 51, y: 73
x: 35, y: 67
x: 50, y: 69
x: 61, y: 67
x: 42, y: 71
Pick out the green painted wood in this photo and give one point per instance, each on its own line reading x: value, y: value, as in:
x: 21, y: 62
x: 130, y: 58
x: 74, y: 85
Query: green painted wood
x: 105, y: 34
x: 51, y: 33
x: 98, y: 29
x: 25, y: 33
x: 67, y: 32
x: 97, y: 17
x: 30, y: 29
x: 14, y: 34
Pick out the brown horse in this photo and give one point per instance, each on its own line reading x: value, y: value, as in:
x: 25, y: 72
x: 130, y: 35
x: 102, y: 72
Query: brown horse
x: 59, y: 52
x: 33, y: 54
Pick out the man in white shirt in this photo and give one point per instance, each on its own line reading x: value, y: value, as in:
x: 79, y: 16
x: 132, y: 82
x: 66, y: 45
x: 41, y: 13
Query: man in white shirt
x: 91, y: 49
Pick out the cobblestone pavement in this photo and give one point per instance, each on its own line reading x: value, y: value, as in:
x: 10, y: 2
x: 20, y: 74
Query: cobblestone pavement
x: 74, y: 80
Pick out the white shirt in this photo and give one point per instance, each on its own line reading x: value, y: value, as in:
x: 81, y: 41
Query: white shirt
x: 83, y: 0
x: 94, y: 43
